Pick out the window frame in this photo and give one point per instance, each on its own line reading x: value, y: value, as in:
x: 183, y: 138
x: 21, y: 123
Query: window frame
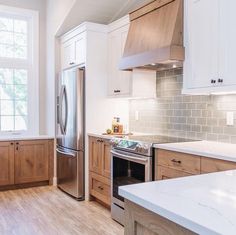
x: 31, y: 64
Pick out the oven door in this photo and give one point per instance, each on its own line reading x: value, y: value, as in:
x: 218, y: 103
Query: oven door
x: 128, y: 168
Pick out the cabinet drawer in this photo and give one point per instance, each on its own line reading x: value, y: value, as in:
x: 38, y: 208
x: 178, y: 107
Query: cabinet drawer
x: 179, y: 161
x: 100, y: 188
x: 209, y: 165
x: 163, y: 173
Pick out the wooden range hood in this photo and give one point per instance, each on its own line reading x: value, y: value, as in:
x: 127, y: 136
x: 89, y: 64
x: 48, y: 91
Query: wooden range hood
x: 155, y: 38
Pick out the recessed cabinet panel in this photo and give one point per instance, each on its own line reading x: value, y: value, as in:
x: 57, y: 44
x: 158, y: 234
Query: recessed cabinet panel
x: 6, y: 163
x: 118, y: 81
x: 80, y: 48
x: 227, y: 48
x: 67, y: 54
x: 31, y: 161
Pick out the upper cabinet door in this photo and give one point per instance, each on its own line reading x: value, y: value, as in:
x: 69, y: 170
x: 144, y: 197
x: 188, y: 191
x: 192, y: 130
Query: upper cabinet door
x: 201, y: 43
x: 118, y: 81
x: 80, y: 48
x: 68, y: 54
x: 227, y: 48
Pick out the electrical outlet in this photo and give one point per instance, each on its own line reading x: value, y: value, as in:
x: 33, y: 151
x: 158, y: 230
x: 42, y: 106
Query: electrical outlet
x: 136, y: 115
x: 230, y: 118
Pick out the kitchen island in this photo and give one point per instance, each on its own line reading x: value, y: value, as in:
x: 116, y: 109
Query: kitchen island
x: 202, y: 204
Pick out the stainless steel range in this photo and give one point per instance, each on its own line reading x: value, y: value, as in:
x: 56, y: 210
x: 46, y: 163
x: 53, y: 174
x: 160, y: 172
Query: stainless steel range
x: 133, y: 162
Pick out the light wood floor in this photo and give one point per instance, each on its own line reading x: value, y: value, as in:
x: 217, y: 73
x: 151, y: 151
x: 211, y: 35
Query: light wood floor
x: 48, y: 211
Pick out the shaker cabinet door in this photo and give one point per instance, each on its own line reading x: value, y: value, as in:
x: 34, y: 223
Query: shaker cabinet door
x: 68, y: 54
x: 118, y: 81
x: 95, y: 159
x: 7, y: 163
x: 201, y: 43
x: 31, y: 161
x: 227, y: 48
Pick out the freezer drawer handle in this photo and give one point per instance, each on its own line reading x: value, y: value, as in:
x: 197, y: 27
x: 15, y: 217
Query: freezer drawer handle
x: 66, y: 153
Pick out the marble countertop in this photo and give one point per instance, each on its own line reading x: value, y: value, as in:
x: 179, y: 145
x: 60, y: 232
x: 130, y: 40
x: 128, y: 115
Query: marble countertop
x: 204, y: 204
x: 25, y: 137
x: 203, y: 148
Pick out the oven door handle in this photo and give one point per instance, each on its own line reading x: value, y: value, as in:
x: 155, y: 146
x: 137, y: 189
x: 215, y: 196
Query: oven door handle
x: 130, y: 158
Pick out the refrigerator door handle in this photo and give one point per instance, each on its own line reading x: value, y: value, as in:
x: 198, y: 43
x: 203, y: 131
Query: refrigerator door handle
x: 63, y: 95
x: 66, y: 113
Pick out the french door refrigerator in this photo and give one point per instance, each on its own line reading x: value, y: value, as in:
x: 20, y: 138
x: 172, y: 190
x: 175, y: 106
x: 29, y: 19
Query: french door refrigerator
x: 70, y: 132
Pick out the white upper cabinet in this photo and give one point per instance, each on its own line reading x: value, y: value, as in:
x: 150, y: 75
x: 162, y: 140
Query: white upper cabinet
x: 227, y: 49
x: 209, y: 37
x: 118, y: 81
x: 73, y: 50
x: 135, y: 84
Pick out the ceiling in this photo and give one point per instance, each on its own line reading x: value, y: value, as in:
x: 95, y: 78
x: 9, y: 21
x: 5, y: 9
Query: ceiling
x: 98, y: 11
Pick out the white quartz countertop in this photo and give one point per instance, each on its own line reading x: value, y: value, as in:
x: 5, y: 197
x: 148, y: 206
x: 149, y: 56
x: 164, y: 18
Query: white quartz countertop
x: 203, y: 148
x: 204, y: 204
x: 22, y: 137
x: 98, y: 135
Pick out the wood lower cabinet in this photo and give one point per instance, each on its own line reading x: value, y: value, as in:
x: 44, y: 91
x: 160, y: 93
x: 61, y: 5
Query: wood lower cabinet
x: 100, y: 188
x: 31, y: 161
x: 209, y: 165
x: 171, y: 164
x: 23, y: 162
x: 6, y: 163
x: 100, y: 169
x: 164, y: 173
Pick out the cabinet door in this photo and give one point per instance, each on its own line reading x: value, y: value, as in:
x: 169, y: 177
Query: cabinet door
x: 6, y: 163
x: 227, y: 42
x: 201, y: 43
x: 106, y: 159
x: 68, y: 54
x: 31, y: 161
x: 80, y: 48
x: 118, y: 81
x: 95, y: 159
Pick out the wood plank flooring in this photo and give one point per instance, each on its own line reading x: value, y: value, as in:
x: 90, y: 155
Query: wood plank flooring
x: 48, y: 211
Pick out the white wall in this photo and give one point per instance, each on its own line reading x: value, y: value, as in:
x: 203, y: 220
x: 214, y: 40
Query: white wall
x: 56, y: 12
x: 40, y: 6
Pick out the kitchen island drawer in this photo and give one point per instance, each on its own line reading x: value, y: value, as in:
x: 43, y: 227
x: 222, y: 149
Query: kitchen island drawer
x: 209, y: 165
x: 163, y: 173
x: 179, y: 161
x: 100, y: 188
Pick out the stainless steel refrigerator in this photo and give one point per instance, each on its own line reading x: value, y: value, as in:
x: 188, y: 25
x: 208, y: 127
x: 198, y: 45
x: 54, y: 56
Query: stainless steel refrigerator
x: 70, y: 132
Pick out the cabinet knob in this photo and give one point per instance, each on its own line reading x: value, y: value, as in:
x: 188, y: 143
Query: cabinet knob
x: 213, y: 81
x: 116, y: 91
x: 12, y: 143
x: 220, y: 80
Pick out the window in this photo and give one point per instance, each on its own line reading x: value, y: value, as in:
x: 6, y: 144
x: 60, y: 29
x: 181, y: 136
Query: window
x: 18, y: 71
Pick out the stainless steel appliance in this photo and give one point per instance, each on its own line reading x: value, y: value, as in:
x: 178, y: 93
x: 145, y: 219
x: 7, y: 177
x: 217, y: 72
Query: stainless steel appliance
x: 133, y: 162
x: 70, y: 132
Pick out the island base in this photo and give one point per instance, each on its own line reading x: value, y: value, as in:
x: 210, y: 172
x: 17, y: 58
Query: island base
x: 140, y: 221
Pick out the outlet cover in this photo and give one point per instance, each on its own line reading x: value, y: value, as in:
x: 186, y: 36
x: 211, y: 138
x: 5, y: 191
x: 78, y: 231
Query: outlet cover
x: 230, y: 118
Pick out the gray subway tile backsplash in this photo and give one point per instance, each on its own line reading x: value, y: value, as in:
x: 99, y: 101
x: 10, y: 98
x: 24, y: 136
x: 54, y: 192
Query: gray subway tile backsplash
x: 171, y: 113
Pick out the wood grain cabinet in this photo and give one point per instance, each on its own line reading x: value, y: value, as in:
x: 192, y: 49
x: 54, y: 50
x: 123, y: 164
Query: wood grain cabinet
x: 29, y: 161
x: 6, y: 163
x: 170, y: 164
x: 99, y: 168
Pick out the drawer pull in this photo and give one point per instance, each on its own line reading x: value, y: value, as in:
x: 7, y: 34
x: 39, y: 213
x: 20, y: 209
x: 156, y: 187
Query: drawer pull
x: 176, y: 161
x: 100, y: 187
